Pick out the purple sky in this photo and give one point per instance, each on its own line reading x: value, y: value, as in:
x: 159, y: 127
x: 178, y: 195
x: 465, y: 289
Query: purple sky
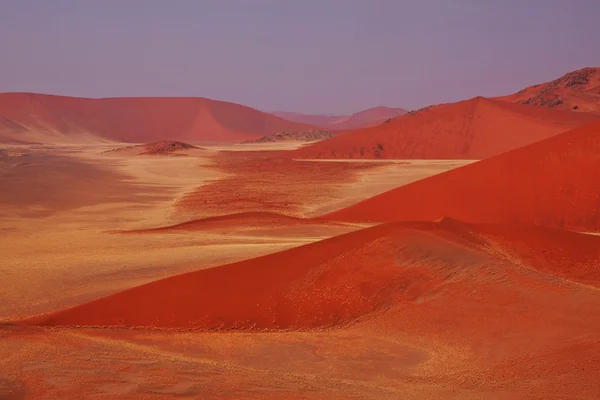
x: 313, y: 56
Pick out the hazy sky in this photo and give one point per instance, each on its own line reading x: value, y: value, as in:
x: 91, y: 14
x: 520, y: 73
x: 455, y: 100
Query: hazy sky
x: 314, y: 56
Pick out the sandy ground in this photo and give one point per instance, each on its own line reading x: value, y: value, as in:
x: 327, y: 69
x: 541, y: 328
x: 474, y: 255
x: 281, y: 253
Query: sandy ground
x: 58, y: 249
x: 492, y: 327
x: 153, y: 365
x: 59, y: 253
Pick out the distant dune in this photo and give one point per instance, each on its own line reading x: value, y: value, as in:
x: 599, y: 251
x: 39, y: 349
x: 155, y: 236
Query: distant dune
x: 306, y: 136
x: 163, y: 147
x: 238, y: 221
x: 271, y: 224
x: 355, y: 277
x: 553, y: 182
x: 577, y: 91
x: 472, y: 129
x: 372, y: 116
x: 38, y: 118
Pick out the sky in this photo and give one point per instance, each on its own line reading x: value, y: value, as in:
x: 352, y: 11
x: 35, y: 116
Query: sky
x: 309, y: 56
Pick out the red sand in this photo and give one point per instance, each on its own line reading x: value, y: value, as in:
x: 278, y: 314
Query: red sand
x: 268, y: 181
x: 553, y: 183
x: 472, y: 129
x: 370, y: 117
x: 577, y: 91
x: 50, y: 119
x: 340, y: 280
x: 420, y: 310
x: 562, y: 253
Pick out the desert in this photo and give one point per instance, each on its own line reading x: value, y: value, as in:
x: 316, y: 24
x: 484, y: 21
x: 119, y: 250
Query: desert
x: 221, y: 264
x: 175, y: 246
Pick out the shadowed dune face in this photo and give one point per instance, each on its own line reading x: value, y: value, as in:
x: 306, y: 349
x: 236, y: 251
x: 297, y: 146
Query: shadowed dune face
x: 37, y: 118
x: 553, y: 183
x: 356, y: 277
x: 472, y: 129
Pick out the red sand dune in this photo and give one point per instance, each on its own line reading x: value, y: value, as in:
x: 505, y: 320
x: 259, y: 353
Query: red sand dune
x: 162, y: 147
x: 562, y: 253
x: 349, y: 278
x: 53, y: 119
x: 308, y: 136
x: 554, y: 182
x: 578, y: 91
x: 370, y: 117
x: 472, y: 129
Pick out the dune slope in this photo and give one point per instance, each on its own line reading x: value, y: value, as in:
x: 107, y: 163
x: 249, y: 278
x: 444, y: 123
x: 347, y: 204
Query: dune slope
x: 308, y: 136
x: 472, y: 129
x: 553, y: 182
x: 240, y: 221
x: 578, y: 91
x: 42, y: 118
x: 332, y: 282
x: 362, y: 119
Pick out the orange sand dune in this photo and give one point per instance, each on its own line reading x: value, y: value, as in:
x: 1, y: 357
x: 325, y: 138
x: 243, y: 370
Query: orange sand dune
x: 578, y: 91
x: 553, y: 182
x: 42, y: 118
x: 345, y: 279
x: 370, y: 117
x: 472, y: 129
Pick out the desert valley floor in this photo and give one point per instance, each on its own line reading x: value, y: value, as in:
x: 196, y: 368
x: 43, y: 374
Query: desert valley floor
x: 74, y: 206
x: 69, y: 236
x: 299, y: 306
